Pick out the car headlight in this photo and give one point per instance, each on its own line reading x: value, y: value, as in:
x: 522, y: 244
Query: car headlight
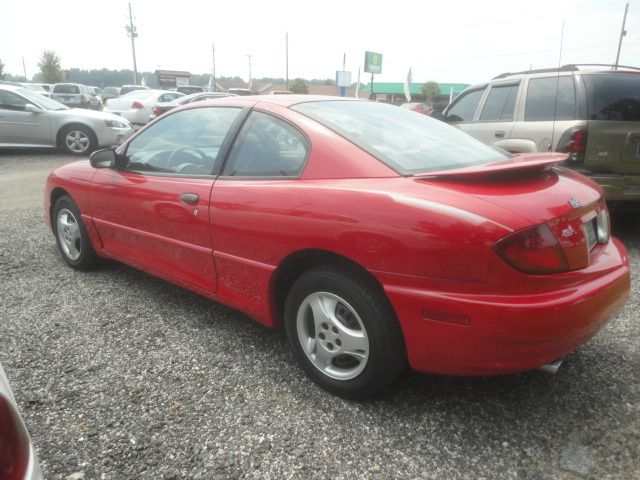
x: 116, y: 124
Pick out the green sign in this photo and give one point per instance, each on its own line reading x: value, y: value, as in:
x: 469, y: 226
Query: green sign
x: 372, y: 62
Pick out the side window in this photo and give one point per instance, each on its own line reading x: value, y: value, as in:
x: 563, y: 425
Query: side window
x: 500, y: 104
x: 11, y: 101
x: 168, y: 97
x: 185, y: 142
x: 267, y: 147
x: 541, y: 101
x: 465, y: 107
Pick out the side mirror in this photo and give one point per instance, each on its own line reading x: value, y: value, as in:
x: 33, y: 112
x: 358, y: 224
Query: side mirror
x: 31, y: 108
x: 105, y: 158
x: 438, y: 116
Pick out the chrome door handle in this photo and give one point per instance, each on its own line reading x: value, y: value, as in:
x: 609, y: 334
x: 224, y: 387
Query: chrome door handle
x: 499, y: 134
x: 190, y: 198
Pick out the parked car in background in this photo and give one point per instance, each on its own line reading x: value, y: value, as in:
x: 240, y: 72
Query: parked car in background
x: 240, y: 91
x: 130, y: 88
x: 41, y: 88
x: 376, y: 237
x: 18, y: 459
x: 189, y: 89
x: 136, y: 106
x: 419, y: 107
x: 160, y: 108
x: 592, y: 113
x: 108, y: 93
x: 75, y: 95
x: 29, y: 119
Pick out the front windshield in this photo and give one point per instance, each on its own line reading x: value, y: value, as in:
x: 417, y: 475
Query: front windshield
x: 41, y: 100
x: 407, y: 142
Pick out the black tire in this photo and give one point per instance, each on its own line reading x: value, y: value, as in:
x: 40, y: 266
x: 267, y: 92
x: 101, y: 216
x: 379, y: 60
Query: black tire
x: 74, y: 245
x: 78, y: 140
x: 386, y: 350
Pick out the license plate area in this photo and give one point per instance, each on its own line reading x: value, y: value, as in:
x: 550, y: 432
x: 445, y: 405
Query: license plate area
x: 590, y: 228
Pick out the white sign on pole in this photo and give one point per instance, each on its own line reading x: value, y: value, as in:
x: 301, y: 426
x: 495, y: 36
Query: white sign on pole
x: 343, y: 79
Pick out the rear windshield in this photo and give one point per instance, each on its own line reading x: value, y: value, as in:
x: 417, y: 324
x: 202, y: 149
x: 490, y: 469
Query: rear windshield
x: 406, y: 142
x: 66, y: 88
x: 613, y: 96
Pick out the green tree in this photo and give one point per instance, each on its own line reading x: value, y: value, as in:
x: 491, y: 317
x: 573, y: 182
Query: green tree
x: 299, y: 86
x: 1, y: 70
x: 431, y: 91
x: 50, y: 68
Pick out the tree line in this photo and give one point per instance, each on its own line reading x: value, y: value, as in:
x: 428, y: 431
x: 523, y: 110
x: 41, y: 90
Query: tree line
x: 51, y: 72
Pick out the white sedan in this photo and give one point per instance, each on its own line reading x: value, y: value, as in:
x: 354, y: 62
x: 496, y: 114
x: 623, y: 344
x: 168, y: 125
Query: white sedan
x: 136, y: 106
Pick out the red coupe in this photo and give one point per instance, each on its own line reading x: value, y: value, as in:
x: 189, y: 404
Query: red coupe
x: 374, y: 236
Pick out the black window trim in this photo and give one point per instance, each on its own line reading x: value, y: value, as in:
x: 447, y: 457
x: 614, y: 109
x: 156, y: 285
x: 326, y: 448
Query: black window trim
x: 483, y: 101
x: 265, y: 177
x: 222, y: 153
x: 481, y: 88
x: 579, y: 99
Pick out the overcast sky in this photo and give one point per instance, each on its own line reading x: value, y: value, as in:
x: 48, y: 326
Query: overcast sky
x: 446, y: 41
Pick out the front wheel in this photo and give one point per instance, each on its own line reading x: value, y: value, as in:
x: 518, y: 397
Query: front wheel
x: 71, y: 235
x: 78, y: 140
x: 343, y: 332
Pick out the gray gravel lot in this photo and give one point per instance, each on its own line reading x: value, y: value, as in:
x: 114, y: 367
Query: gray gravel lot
x: 120, y: 375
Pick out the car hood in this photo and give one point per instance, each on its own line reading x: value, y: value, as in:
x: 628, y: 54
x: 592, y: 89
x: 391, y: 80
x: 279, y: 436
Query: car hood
x: 91, y: 114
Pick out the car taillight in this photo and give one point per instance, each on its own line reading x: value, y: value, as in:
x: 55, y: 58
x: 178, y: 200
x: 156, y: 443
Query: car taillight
x: 534, y: 250
x: 14, y: 443
x: 137, y: 105
x: 574, y: 142
x: 82, y: 99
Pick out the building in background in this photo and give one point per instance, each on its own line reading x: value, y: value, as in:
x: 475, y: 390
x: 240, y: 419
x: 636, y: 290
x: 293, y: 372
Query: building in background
x: 393, y: 92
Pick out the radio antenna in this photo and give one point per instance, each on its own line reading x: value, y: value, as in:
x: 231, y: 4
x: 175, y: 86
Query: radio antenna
x: 555, y: 103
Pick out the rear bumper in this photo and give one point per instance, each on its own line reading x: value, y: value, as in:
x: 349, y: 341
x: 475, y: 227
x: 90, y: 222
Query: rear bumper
x: 618, y: 188
x: 493, y: 334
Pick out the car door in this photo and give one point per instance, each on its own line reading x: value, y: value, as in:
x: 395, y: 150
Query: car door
x: 497, y: 114
x: 20, y: 127
x: 153, y: 209
x: 462, y: 112
x: 250, y: 200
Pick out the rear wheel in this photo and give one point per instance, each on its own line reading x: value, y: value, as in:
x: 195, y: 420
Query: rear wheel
x: 71, y: 235
x: 343, y: 332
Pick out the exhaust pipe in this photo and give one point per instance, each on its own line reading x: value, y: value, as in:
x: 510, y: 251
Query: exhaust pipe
x: 551, y: 367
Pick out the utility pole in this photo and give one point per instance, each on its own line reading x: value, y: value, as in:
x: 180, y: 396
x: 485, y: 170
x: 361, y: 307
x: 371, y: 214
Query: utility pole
x: 213, y: 86
x: 24, y: 69
x: 343, y: 90
x: 286, y: 43
x: 249, y: 57
x: 132, y: 32
x: 623, y: 32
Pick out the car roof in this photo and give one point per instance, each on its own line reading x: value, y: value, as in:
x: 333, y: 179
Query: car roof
x: 11, y: 88
x: 288, y: 100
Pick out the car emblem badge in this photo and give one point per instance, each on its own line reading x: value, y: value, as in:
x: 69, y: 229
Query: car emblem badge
x: 574, y: 203
x: 567, y: 232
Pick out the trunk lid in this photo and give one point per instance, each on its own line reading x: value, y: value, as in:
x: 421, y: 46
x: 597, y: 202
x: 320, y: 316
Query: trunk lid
x: 527, y: 185
x: 532, y: 190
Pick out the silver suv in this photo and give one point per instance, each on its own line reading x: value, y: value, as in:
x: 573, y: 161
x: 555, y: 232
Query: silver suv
x: 591, y: 114
x: 75, y: 95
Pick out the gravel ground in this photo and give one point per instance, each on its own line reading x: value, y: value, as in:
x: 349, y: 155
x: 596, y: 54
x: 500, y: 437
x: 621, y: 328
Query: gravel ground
x: 120, y: 376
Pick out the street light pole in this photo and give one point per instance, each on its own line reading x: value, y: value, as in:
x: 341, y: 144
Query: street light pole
x: 622, y: 34
x: 249, y: 57
x: 131, y: 30
x: 286, y: 41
